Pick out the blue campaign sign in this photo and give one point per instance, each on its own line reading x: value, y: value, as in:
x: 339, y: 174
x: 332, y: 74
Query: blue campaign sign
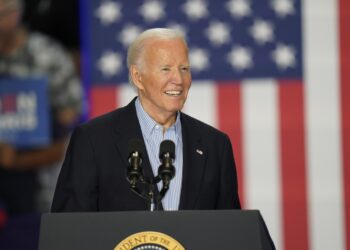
x: 24, y: 112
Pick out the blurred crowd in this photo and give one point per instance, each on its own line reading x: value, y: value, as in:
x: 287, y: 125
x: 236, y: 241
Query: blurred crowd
x: 37, y: 38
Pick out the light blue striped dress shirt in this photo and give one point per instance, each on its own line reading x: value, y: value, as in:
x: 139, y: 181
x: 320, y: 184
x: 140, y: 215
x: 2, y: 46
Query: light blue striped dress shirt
x: 153, y: 135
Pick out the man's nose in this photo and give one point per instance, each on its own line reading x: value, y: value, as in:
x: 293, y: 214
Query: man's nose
x: 177, y: 76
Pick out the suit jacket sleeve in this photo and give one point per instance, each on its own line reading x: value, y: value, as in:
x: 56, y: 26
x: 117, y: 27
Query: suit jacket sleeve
x: 228, y: 196
x: 77, y: 187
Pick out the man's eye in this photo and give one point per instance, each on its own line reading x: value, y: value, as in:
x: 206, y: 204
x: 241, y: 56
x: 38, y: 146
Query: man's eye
x: 165, y: 69
x: 185, y: 69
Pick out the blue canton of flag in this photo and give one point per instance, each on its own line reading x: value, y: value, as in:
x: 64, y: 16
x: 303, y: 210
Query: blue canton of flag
x: 228, y: 40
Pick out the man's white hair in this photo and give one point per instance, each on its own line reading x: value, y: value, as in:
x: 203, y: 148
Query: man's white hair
x: 136, y: 49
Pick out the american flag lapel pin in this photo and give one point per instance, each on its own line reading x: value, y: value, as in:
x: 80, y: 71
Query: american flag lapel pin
x: 199, y: 151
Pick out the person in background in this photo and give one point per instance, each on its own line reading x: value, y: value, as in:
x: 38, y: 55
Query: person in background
x: 24, y: 54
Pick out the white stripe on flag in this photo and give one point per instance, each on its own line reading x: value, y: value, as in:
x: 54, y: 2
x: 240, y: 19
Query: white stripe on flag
x: 261, y: 152
x: 323, y: 125
x: 125, y: 94
x: 201, y: 102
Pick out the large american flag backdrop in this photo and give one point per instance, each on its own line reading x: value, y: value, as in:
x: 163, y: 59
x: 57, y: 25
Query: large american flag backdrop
x: 275, y: 76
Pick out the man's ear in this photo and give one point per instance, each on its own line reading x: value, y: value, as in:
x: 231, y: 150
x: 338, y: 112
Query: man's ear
x: 136, y: 76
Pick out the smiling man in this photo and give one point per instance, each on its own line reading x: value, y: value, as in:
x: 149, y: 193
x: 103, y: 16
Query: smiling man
x: 93, y: 174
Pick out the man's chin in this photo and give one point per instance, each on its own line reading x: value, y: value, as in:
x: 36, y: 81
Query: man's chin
x: 176, y: 108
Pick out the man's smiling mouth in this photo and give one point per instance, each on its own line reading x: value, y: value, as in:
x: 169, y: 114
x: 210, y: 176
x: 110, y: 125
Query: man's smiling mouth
x: 173, y: 92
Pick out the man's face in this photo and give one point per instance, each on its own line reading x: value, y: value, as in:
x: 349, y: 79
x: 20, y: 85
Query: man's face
x: 164, y: 79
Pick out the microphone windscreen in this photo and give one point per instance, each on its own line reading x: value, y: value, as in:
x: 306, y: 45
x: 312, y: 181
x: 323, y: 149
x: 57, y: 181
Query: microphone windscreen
x: 167, y: 146
x: 135, y: 145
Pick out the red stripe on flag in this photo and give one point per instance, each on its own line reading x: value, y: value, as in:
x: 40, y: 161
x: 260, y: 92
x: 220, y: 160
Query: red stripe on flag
x: 102, y: 100
x: 230, y: 122
x: 293, y: 169
x: 344, y: 10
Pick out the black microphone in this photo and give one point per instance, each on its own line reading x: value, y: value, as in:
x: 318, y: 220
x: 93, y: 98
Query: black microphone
x: 166, y: 170
x: 134, y: 171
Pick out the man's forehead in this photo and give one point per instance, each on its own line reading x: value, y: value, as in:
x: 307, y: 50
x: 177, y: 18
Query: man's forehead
x: 166, y: 45
x: 163, y: 39
x: 161, y: 43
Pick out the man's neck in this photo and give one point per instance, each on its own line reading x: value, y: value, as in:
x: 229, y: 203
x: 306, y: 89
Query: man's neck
x: 165, y: 120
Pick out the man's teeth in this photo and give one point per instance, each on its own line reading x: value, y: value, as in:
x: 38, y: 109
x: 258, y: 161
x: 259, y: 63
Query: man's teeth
x: 173, y: 92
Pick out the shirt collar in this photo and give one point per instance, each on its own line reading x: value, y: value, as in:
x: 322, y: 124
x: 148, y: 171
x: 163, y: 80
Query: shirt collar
x: 148, y: 124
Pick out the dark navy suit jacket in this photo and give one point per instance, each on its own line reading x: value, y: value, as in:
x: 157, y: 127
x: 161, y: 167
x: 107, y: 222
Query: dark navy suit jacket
x: 93, y: 173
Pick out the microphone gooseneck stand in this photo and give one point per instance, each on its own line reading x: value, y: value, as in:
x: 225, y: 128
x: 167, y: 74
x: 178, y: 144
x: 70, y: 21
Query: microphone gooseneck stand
x: 166, y: 171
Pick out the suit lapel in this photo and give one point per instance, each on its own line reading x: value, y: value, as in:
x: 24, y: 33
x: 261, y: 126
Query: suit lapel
x: 194, y: 159
x: 126, y: 127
